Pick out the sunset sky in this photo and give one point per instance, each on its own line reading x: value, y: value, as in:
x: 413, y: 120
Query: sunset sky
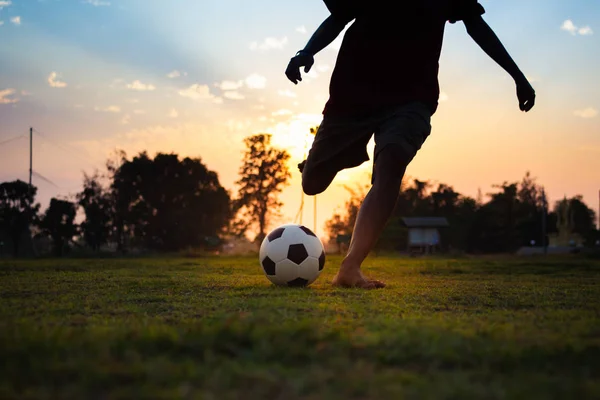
x: 196, y: 76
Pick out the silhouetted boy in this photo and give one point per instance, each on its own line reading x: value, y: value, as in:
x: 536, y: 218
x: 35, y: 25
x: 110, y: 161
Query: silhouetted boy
x: 385, y: 83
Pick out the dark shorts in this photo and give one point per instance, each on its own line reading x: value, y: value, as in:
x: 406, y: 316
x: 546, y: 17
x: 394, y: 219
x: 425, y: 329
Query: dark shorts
x: 341, y: 142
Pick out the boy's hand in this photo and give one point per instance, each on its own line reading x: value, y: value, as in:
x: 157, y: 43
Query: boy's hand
x: 302, y: 59
x: 526, y: 94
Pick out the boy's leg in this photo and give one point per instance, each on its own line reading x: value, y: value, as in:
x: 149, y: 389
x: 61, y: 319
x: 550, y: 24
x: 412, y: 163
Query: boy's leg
x: 374, y: 213
x: 397, y: 142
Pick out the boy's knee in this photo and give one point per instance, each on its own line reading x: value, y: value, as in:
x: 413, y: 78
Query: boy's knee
x: 312, y: 185
x: 315, y: 181
x: 311, y: 188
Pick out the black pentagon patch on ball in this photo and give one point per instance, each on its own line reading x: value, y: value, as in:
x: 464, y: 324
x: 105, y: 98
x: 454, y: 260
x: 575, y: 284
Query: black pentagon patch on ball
x: 321, y: 261
x: 307, y: 231
x: 298, y: 282
x: 269, y: 266
x: 297, y: 253
x: 276, y: 234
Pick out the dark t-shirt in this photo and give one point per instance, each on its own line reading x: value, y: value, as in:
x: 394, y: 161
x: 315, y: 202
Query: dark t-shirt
x: 390, y: 54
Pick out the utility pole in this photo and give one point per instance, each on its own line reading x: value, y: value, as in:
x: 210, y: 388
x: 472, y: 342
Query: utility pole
x: 31, y: 191
x: 30, y: 155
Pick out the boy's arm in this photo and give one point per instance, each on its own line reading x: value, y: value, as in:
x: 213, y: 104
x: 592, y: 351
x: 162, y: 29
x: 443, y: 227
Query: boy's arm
x: 323, y: 36
x: 485, y: 37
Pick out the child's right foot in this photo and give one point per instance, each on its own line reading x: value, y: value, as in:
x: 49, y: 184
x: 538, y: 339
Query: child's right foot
x: 356, y: 280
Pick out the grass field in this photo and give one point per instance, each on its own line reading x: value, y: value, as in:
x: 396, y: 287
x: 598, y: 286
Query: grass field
x: 214, y: 328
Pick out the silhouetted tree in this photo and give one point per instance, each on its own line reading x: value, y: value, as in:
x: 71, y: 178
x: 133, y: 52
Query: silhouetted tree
x: 582, y: 219
x: 121, y: 197
x: 17, y: 211
x: 263, y: 175
x: 58, y: 223
x: 96, y: 204
x: 166, y: 203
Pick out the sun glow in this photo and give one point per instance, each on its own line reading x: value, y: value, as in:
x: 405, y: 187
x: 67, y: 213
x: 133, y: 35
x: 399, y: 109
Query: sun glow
x: 295, y: 136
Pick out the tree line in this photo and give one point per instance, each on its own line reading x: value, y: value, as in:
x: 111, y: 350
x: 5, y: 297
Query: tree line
x: 161, y: 204
x: 166, y: 203
x: 515, y: 215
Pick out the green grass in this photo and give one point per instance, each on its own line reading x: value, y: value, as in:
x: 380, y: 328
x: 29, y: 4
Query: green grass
x: 214, y: 328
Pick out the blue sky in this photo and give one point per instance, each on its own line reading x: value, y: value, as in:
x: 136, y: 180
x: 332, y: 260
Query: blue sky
x: 195, y: 77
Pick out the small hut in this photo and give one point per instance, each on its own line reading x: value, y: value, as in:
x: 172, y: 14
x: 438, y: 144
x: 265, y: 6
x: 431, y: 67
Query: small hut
x: 424, y: 234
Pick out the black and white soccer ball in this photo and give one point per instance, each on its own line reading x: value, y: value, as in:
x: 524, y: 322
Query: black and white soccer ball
x: 292, y: 255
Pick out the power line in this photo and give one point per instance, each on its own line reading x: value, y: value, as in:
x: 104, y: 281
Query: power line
x: 11, y: 140
x: 66, y: 148
x: 40, y: 176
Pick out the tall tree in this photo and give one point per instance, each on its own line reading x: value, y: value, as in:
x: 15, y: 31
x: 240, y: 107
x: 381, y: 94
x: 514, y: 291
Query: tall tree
x: 263, y: 175
x: 17, y: 211
x: 96, y: 204
x: 58, y: 222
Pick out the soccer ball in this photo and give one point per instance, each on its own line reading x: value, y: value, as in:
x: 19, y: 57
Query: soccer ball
x: 292, y: 255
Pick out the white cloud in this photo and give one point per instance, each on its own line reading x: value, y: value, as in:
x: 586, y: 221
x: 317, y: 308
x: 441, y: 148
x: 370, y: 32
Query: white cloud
x: 109, y: 109
x: 281, y: 113
x: 573, y: 29
x: 54, y: 82
x: 230, y: 85
x: 569, y: 26
x: 199, y: 92
x: 137, y: 85
x: 443, y: 96
x: 173, y: 113
x: 16, y: 20
x: 176, y: 74
x: 234, y: 95
x: 5, y: 3
x: 1, y: 23
x: 323, y: 67
x: 97, y: 3
x: 301, y: 29
x: 5, y: 94
x: 269, y: 44
x: 139, y: 112
x: 287, y: 93
x: 256, y: 81
x: 589, y: 112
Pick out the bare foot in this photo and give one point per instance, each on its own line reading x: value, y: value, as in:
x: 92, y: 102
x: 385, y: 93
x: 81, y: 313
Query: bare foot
x: 356, y: 280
